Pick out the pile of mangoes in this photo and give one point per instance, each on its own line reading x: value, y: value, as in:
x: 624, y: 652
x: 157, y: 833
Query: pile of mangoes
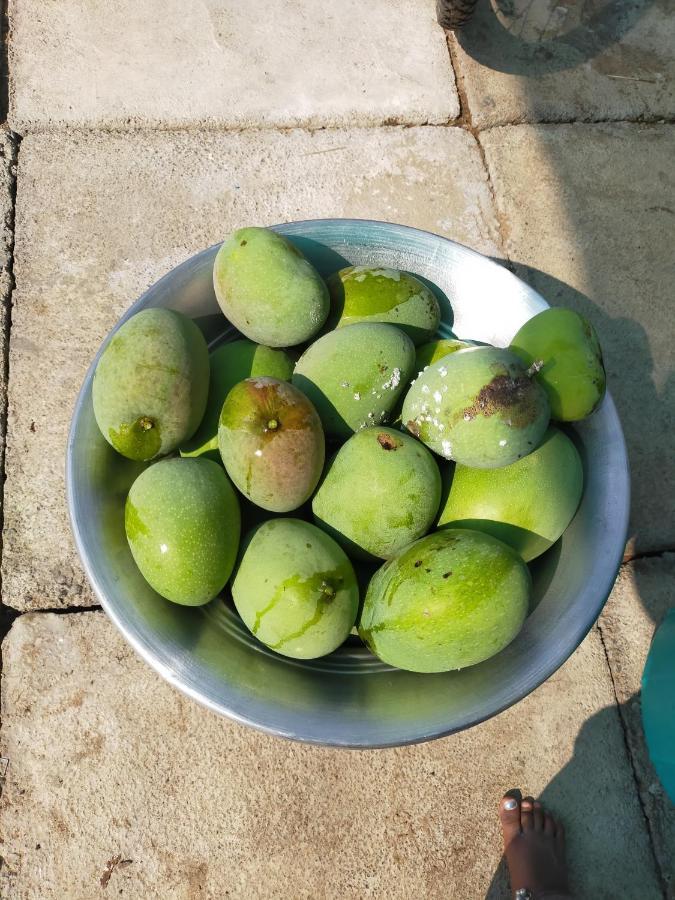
x: 387, y: 479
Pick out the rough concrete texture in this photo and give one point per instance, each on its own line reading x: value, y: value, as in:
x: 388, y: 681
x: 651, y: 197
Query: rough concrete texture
x: 223, y: 62
x: 643, y: 594
x: 108, y: 761
x: 551, y: 61
x: 587, y: 215
x: 101, y: 217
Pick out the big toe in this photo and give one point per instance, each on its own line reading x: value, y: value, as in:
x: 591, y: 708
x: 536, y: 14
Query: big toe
x: 509, y: 813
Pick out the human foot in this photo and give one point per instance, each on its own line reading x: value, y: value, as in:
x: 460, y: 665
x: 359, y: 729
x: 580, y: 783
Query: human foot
x: 534, y: 846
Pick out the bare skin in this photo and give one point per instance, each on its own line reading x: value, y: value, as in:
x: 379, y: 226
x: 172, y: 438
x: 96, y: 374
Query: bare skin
x: 534, y: 846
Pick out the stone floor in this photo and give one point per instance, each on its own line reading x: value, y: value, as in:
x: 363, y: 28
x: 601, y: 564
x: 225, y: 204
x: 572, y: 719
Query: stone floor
x: 136, y: 134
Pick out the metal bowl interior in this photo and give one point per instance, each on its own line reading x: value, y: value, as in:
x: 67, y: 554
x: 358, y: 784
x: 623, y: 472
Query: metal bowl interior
x: 350, y: 698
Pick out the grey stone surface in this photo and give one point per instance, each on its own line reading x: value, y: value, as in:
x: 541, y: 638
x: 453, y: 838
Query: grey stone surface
x: 106, y: 760
x: 588, y: 214
x: 169, y: 63
x: 546, y: 60
x: 643, y: 594
x: 102, y: 216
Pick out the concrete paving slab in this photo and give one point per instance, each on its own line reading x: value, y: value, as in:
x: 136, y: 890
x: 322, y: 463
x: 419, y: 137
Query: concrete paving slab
x: 169, y: 63
x: 101, y: 216
x: 643, y: 594
x: 109, y: 763
x: 588, y: 215
x: 551, y: 61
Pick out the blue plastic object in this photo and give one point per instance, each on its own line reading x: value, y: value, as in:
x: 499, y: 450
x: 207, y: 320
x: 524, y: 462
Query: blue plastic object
x: 658, y: 703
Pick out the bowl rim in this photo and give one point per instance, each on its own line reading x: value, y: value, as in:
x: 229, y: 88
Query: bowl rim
x: 148, y: 653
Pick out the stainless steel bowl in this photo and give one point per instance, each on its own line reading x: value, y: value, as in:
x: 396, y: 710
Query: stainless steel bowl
x: 350, y: 698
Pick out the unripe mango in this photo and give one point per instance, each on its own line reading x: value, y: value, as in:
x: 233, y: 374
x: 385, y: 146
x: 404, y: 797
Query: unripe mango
x: 182, y: 523
x: 295, y: 589
x: 527, y: 504
x: 150, y: 384
x: 374, y: 294
x: 231, y: 363
x: 477, y: 406
x: 379, y: 493
x: 271, y: 442
x: 564, y: 347
x: 450, y: 600
x: 267, y: 289
x: 354, y: 375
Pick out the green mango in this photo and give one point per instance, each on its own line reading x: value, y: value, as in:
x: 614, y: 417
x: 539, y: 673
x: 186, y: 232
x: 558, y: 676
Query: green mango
x: 182, y: 523
x: 267, y: 289
x: 566, y: 349
x: 150, y: 384
x: 230, y: 364
x: 432, y: 351
x: 374, y: 294
x: 380, y: 492
x: 450, y: 600
x: 355, y: 375
x: 295, y: 589
x: 528, y: 504
x: 272, y: 443
x: 479, y: 407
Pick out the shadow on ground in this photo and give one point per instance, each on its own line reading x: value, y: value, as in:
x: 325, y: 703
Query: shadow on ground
x: 537, y: 37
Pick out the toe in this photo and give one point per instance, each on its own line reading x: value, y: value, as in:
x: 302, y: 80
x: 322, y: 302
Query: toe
x: 549, y: 825
x: 560, y: 836
x: 538, y: 816
x: 509, y: 814
x: 527, y: 814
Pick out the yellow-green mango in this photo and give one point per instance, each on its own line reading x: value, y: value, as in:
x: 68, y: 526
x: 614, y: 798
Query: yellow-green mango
x: 478, y: 406
x: 528, y: 504
x: 355, y: 375
x: 432, y: 351
x: 267, y: 289
x: 151, y: 383
x: 450, y: 600
x: 295, y: 589
x: 564, y: 348
x: 380, y: 492
x: 182, y: 523
x: 230, y: 364
x: 375, y: 294
x: 271, y: 443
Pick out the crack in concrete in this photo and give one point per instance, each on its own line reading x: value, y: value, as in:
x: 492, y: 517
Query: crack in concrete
x: 646, y: 554
x: 624, y: 731
x: 465, y: 121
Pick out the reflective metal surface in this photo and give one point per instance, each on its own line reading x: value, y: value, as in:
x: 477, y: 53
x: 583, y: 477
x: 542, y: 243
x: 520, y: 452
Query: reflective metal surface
x: 350, y: 698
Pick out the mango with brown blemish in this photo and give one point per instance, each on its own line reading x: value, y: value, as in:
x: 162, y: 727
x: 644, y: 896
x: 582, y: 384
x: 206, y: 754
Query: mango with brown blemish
x: 479, y: 406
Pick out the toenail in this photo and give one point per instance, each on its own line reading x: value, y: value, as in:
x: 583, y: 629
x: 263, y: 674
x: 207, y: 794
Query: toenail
x: 510, y: 804
x: 527, y: 804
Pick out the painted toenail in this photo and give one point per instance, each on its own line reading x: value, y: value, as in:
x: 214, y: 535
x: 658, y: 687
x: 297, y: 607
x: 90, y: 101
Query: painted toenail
x: 510, y: 804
